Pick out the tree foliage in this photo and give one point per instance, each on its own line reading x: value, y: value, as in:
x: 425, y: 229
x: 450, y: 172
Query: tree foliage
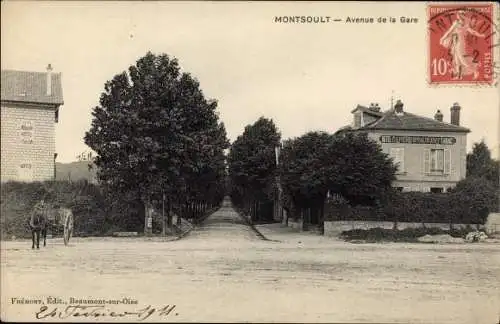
x: 252, y: 164
x: 349, y: 165
x: 480, y: 163
x: 154, y: 131
x: 474, y: 198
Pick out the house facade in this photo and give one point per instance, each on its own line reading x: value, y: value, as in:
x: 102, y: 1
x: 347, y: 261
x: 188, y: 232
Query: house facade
x: 430, y: 153
x: 30, y: 103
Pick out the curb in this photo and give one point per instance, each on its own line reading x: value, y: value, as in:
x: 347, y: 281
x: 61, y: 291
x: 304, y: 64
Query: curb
x: 252, y: 226
x: 186, y: 233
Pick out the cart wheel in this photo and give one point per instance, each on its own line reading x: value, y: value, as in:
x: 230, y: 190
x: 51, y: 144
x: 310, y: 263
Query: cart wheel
x: 68, y: 227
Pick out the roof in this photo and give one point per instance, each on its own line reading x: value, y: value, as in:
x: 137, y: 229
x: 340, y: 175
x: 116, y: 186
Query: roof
x: 25, y: 86
x: 368, y: 111
x: 389, y: 120
x: 407, y: 121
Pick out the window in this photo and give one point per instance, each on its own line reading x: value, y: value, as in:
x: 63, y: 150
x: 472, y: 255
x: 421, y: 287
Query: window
x: 398, y: 156
x: 436, y: 190
x: 437, y: 161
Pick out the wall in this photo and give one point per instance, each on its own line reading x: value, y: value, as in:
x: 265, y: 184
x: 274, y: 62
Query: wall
x: 335, y: 228
x: 414, y: 177
x: 38, y: 149
x: 492, y: 225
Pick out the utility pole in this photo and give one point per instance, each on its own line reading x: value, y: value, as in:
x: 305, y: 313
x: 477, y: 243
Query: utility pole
x: 279, y: 209
x: 392, y: 99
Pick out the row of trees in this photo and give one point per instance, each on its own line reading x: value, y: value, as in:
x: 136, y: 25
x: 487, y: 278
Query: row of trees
x: 348, y: 165
x: 158, y: 138
x: 252, y: 167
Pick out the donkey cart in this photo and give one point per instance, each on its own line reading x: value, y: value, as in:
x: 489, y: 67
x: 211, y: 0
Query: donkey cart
x: 60, y: 221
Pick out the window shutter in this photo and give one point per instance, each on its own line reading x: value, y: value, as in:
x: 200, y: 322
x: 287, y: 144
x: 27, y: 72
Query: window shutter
x: 401, y: 156
x: 397, y: 154
x: 427, y: 161
x: 447, y: 161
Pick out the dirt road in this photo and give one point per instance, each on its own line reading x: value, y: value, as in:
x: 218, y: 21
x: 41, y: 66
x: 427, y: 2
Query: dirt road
x: 224, y: 272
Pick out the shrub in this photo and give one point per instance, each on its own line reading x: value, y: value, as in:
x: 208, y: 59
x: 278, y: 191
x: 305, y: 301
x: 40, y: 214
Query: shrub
x: 84, y: 199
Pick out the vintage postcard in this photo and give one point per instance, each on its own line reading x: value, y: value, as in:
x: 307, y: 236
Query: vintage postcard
x: 242, y: 161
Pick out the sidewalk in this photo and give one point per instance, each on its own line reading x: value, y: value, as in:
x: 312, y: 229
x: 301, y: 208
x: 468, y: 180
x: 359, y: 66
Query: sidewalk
x: 282, y: 233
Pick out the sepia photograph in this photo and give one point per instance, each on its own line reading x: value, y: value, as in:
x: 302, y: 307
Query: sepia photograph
x: 250, y: 162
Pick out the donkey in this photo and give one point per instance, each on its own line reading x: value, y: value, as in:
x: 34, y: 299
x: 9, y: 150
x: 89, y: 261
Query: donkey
x: 39, y: 223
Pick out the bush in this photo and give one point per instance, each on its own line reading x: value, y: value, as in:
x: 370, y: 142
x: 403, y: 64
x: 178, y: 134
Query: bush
x: 84, y: 199
x: 470, y: 202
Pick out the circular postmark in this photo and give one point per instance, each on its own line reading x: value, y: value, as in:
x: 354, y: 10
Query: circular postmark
x: 463, y: 42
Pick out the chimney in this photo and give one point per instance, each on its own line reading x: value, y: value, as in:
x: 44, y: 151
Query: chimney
x: 398, y: 108
x: 438, y: 116
x: 455, y: 114
x: 49, y: 80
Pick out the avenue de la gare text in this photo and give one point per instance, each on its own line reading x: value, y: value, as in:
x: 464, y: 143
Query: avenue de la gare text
x: 355, y: 20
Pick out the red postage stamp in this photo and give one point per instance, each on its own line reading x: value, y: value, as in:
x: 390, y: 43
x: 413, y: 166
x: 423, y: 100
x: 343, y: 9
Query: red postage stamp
x: 461, y: 43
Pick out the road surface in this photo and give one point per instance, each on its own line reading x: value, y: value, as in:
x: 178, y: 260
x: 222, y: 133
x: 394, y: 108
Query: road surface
x: 223, y: 271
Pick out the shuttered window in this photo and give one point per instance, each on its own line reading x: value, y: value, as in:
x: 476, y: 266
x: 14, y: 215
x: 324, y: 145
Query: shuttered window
x: 437, y: 161
x: 398, y: 156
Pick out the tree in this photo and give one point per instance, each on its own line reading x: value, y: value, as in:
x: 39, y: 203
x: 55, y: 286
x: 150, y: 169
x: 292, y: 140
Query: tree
x: 473, y: 199
x: 154, y: 132
x: 363, y: 173
x: 480, y: 163
x: 252, y: 164
x: 348, y: 165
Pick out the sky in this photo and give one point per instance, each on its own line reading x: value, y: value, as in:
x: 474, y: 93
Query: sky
x: 303, y: 76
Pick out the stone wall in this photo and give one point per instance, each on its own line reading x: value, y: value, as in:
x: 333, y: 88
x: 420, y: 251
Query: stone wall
x: 334, y: 228
x: 492, y: 225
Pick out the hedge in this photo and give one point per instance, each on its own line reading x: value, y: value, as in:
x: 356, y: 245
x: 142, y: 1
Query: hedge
x: 469, y: 202
x: 85, y: 200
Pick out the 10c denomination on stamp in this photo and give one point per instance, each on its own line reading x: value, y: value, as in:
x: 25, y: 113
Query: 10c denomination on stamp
x: 461, y: 43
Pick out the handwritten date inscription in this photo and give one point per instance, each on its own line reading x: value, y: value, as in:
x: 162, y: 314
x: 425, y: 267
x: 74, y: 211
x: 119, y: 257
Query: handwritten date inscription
x: 101, y: 311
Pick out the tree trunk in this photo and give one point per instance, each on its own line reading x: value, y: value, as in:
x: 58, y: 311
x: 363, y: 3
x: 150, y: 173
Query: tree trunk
x: 169, y: 213
x: 322, y: 217
x: 163, y: 217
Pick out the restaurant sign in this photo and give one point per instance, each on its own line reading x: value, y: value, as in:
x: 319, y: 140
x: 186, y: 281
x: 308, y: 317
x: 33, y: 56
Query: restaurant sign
x: 26, y: 129
x: 418, y: 139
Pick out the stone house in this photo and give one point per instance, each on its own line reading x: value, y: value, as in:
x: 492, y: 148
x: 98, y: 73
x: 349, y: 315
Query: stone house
x: 430, y: 153
x: 30, y: 103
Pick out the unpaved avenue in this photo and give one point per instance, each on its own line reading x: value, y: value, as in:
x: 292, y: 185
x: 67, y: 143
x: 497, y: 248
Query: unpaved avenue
x: 225, y: 225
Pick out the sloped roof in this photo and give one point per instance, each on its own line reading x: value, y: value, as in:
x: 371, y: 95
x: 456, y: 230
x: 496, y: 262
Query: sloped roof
x: 25, y: 86
x: 408, y: 121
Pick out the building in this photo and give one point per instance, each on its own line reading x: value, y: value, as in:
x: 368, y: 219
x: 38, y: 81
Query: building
x: 430, y: 153
x: 30, y: 103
